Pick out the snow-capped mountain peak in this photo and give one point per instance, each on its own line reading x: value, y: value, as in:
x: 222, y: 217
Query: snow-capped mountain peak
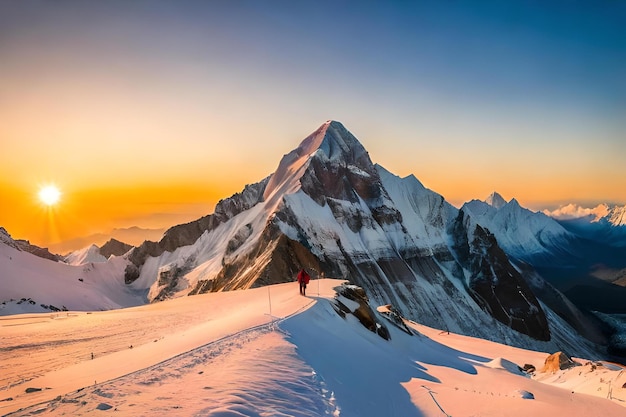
x: 603, y: 223
x: 86, y: 255
x: 328, y: 208
x: 286, y: 177
x: 330, y: 143
x: 495, y: 200
x: 614, y: 215
x: 617, y: 216
x: 522, y: 233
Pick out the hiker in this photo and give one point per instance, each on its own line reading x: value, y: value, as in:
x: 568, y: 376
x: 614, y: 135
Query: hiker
x: 303, y: 279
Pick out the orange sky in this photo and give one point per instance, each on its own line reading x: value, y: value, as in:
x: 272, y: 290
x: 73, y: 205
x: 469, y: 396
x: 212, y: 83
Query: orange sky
x: 147, y: 113
x: 121, y: 193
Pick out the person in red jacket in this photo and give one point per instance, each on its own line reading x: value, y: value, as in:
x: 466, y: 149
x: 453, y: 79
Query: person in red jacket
x: 303, y: 279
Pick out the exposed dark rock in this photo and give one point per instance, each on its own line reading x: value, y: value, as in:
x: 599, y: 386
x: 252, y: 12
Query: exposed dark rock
x: 114, y: 247
x: 394, y: 316
x: 131, y: 273
x: 529, y: 369
x: 363, y: 313
x: 239, y: 239
x: 31, y: 390
x: 495, y: 284
x: 558, y: 361
x: 168, y: 278
x: 188, y: 233
x: 283, y: 258
x: 25, y: 246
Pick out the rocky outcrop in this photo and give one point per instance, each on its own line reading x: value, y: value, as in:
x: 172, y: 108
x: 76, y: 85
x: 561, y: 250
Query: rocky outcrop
x: 114, y: 247
x: 558, y: 361
x: 360, y: 308
x: 26, y: 246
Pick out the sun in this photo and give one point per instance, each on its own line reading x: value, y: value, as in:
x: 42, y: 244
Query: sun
x: 49, y: 195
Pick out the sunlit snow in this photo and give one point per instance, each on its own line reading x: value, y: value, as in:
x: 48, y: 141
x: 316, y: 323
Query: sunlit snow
x: 223, y: 354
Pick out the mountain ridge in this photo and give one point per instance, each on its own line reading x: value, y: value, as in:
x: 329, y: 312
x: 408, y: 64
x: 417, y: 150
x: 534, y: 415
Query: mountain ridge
x: 328, y: 208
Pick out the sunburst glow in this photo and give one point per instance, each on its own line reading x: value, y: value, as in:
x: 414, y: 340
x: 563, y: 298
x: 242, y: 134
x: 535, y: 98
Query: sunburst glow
x: 49, y: 195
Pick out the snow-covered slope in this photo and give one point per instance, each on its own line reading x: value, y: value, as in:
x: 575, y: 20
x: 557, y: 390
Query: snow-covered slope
x: 523, y: 234
x: 85, y: 255
x: 180, y: 358
x: 32, y: 284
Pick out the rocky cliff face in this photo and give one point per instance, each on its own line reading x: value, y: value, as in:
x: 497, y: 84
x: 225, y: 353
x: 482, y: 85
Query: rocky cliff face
x: 26, y: 246
x: 188, y: 233
x: 327, y: 207
x: 529, y: 236
x: 495, y: 284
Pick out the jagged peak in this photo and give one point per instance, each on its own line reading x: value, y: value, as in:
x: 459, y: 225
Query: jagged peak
x: 331, y: 142
x: 4, y: 233
x: 339, y: 143
x: 495, y: 200
x: 611, y: 213
x: 332, y: 139
x: 114, y: 241
x: 409, y: 179
x: 6, y: 238
x: 617, y: 215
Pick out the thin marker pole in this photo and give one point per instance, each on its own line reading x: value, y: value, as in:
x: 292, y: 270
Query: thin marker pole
x: 318, y: 283
x: 269, y: 297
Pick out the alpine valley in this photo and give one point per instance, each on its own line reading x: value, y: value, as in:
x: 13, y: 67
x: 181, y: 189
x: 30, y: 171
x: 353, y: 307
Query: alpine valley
x: 491, y: 269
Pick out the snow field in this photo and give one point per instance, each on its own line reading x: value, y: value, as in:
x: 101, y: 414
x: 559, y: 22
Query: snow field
x: 223, y: 355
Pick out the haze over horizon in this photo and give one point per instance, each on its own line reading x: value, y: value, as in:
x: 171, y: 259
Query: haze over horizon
x: 146, y: 113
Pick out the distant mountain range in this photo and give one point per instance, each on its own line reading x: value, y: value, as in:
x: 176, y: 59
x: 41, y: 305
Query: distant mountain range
x: 584, y: 257
x: 29, y: 283
x: 491, y: 269
x: 603, y: 223
x: 131, y: 235
x: 614, y: 215
x: 93, y: 253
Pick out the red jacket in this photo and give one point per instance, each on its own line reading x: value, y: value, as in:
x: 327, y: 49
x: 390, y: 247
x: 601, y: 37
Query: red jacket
x: 303, y: 277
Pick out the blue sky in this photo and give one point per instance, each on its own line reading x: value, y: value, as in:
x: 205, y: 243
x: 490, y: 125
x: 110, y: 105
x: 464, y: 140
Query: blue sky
x: 524, y: 97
